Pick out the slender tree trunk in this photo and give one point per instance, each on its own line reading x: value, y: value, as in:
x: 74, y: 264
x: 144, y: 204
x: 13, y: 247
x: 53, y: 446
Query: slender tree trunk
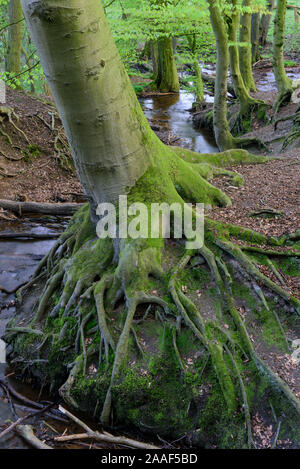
x: 237, y: 79
x: 265, y: 23
x: 199, y: 89
x: 245, y: 56
x: 284, y: 84
x: 13, y: 63
x: 154, y: 58
x: 223, y: 136
x: 167, y: 76
x: 110, y: 138
x: 28, y: 65
x: 146, y: 51
x: 255, y: 21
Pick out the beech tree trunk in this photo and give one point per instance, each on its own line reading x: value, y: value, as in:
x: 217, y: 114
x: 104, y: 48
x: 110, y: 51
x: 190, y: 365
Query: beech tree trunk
x: 13, y: 61
x: 284, y: 84
x: 110, y: 138
x: 167, y: 76
x: 245, y: 55
x: 222, y: 133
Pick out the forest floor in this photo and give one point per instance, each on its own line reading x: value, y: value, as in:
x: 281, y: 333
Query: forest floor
x: 36, y: 172
x: 41, y: 170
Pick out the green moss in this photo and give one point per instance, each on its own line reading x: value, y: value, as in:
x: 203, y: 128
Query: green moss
x: 187, y: 342
x: 158, y: 400
x: 289, y: 266
x: 24, y: 343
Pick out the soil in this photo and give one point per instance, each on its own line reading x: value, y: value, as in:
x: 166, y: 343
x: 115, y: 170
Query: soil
x: 39, y: 175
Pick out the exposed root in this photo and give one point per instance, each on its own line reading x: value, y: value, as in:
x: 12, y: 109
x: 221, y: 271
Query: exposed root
x: 60, y: 143
x: 9, y: 114
x: 245, y: 400
x: 121, y: 350
x: 241, y: 122
x: 293, y: 117
x: 283, y: 99
x: 249, y: 266
x: 91, y: 283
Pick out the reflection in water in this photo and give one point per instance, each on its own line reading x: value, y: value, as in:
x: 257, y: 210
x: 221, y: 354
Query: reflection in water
x: 268, y: 83
x: 171, y: 113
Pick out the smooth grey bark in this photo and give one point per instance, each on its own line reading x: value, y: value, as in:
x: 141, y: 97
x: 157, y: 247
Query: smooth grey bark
x: 109, y: 136
x: 224, y: 139
x: 255, y: 21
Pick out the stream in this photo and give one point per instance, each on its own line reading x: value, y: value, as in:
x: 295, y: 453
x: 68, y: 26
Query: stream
x: 18, y: 261
x: 171, y: 113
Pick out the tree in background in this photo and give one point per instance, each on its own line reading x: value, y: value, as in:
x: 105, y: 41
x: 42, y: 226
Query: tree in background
x: 265, y: 22
x: 284, y: 84
x: 15, y: 33
x: 223, y: 135
x: 245, y: 55
x: 248, y: 105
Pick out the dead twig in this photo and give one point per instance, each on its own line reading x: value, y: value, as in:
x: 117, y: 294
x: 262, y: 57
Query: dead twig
x: 26, y: 432
x: 95, y: 435
x: 22, y: 419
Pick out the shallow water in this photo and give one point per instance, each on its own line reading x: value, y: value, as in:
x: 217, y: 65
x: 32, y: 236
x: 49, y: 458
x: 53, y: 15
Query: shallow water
x: 18, y: 260
x: 171, y: 113
x: 267, y: 81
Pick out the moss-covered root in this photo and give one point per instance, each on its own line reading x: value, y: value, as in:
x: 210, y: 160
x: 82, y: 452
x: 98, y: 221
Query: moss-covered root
x: 7, y: 113
x: 225, y: 294
x: 241, y: 122
x: 122, y: 346
x: 283, y: 99
x: 192, y: 318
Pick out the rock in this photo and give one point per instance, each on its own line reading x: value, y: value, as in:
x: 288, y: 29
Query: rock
x: 296, y: 356
x: 296, y: 344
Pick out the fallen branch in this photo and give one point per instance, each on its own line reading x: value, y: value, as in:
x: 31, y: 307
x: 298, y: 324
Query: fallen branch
x: 95, y: 435
x: 29, y: 402
x: 276, y: 435
x: 26, y: 432
x: 22, y: 419
x: 29, y: 235
x: 36, y: 207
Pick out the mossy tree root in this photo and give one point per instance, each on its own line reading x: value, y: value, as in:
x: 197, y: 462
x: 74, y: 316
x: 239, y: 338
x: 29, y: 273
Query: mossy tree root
x: 283, y: 99
x: 86, y: 280
x: 7, y: 113
x: 241, y: 122
x: 218, y: 342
